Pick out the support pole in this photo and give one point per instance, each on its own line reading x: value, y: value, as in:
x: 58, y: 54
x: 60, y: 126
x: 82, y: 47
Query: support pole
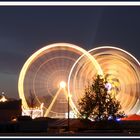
x: 68, y: 114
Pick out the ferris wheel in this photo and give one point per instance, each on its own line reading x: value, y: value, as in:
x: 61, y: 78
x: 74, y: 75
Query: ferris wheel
x: 62, y: 70
x: 122, y: 71
x: 45, y: 75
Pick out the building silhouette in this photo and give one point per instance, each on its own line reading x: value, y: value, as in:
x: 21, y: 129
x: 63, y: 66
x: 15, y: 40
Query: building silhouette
x: 9, y: 109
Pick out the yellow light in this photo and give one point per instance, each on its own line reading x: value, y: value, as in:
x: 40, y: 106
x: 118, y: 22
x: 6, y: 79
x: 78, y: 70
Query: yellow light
x: 38, y: 53
x: 62, y: 84
x: 14, y: 120
x: 3, y: 99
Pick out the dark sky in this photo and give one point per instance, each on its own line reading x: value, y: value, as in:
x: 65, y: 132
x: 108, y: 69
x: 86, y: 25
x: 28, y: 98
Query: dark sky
x: 23, y: 30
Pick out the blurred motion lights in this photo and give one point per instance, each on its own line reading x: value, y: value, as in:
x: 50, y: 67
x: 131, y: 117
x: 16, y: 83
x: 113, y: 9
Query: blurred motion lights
x: 43, y: 72
x: 42, y: 75
x: 62, y: 84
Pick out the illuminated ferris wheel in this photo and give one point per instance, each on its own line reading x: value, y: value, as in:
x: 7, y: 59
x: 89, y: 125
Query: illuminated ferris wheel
x: 62, y: 70
x: 122, y: 71
x: 45, y: 74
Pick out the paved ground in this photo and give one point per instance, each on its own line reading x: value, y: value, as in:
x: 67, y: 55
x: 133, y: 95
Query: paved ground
x: 70, y: 134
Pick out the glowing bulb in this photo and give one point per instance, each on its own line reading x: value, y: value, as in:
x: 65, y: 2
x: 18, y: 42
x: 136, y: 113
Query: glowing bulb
x: 62, y: 84
x: 108, y: 86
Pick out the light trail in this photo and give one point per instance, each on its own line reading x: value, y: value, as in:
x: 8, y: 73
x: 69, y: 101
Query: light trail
x: 44, y: 69
x: 52, y: 103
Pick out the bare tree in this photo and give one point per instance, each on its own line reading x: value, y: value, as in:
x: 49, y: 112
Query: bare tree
x: 32, y: 101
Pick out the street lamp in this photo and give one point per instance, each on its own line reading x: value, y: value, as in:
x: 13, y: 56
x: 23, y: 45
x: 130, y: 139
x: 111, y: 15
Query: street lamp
x: 68, y: 114
x: 63, y: 86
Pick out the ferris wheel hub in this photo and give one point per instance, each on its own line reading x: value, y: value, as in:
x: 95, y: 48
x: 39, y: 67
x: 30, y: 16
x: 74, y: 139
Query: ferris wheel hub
x: 62, y: 84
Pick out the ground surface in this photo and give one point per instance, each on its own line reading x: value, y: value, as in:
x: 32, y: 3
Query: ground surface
x: 70, y: 134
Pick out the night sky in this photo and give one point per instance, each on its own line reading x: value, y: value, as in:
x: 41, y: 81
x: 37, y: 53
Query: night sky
x: 24, y: 30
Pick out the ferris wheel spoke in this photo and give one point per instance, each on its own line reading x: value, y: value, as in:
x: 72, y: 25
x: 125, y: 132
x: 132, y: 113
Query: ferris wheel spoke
x: 52, y: 103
